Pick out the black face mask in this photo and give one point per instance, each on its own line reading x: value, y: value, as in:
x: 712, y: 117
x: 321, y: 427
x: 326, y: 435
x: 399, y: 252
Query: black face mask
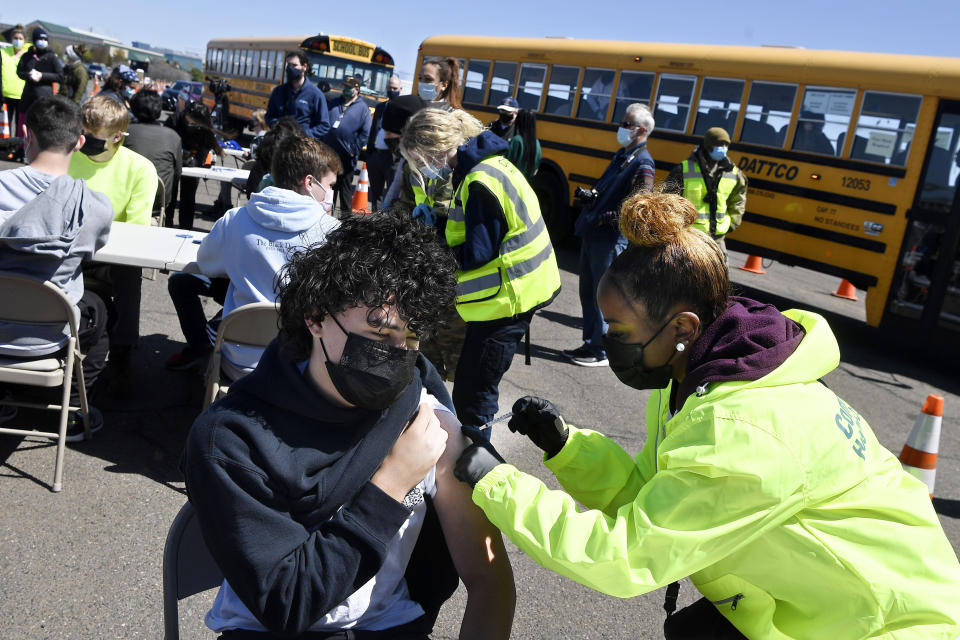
x: 294, y: 74
x: 506, y: 119
x: 370, y: 375
x: 626, y: 362
x: 393, y: 144
x: 93, y: 146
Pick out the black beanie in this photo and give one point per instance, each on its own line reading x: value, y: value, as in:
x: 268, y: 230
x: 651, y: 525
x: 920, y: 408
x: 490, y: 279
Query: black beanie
x: 40, y: 34
x: 398, y: 110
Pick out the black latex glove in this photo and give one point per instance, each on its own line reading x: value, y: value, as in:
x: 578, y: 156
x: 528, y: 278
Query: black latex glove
x: 478, y: 459
x: 540, y: 421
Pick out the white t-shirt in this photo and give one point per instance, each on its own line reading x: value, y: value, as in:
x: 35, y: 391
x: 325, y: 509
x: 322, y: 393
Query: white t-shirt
x: 383, y: 602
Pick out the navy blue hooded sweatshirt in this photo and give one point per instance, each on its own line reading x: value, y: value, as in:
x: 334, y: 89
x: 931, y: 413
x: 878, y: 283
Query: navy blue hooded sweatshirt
x: 262, y: 466
x: 484, y: 218
x: 307, y: 104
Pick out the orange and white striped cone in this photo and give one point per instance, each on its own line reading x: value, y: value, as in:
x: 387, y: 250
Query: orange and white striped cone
x: 4, y: 124
x: 361, y: 203
x: 919, y: 455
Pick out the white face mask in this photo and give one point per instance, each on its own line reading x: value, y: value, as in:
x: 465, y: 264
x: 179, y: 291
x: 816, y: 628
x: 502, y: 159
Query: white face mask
x: 327, y: 203
x: 624, y: 136
x: 427, y: 91
x: 18, y: 43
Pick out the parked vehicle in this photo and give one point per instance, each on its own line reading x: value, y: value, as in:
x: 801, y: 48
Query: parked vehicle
x: 191, y: 90
x: 98, y: 68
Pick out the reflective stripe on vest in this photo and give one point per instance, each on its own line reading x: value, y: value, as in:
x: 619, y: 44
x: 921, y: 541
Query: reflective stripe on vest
x: 694, y: 190
x: 524, y: 274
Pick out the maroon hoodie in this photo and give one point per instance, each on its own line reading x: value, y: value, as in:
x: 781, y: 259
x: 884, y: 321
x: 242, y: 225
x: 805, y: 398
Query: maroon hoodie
x: 749, y: 340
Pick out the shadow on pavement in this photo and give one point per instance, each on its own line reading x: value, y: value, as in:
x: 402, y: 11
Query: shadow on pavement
x: 145, y: 429
x: 947, y: 507
x: 559, y: 318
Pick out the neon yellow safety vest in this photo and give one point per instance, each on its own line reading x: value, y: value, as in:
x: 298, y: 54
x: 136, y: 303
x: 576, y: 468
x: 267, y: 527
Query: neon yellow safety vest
x: 773, y: 495
x: 694, y: 190
x: 420, y: 188
x: 12, y: 84
x: 524, y: 275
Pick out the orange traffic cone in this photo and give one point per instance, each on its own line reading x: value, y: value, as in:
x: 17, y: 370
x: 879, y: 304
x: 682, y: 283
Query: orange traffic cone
x: 96, y: 85
x: 919, y: 455
x: 208, y: 161
x: 754, y: 265
x: 846, y: 290
x: 360, y: 202
x: 4, y: 124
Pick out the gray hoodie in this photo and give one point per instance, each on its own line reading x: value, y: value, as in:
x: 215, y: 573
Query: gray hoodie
x: 62, y: 224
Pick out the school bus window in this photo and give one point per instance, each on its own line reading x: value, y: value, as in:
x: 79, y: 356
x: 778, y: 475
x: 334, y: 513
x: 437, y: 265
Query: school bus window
x: 501, y: 82
x: 885, y: 127
x: 253, y: 63
x: 635, y: 86
x: 768, y: 113
x: 475, y: 83
x: 943, y: 166
x: 530, y: 85
x: 278, y: 67
x: 561, y: 90
x: 719, y: 105
x: 824, y: 120
x: 674, y: 96
x: 239, y: 57
x: 595, y: 94
x: 462, y: 66
x: 265, y: 59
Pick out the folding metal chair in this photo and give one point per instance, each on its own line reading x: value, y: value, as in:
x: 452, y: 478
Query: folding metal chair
x: 252, y: 325
x: 43, y: 304
x: 188, y: 568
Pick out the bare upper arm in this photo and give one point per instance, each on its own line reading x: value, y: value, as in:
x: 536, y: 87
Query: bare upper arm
x: 475, y: 545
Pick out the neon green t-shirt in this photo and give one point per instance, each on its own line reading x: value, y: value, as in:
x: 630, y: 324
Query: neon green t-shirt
x: 128, y: 179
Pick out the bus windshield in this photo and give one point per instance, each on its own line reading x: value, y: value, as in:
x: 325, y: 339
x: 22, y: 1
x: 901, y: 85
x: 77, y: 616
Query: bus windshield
x: 325, y: 68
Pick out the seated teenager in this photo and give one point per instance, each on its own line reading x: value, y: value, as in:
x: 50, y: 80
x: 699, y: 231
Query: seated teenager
x: 250, y: 245
x: 49, y: 224
x: 130, y: 181
x: 317, y: 479
x: 157, y: 143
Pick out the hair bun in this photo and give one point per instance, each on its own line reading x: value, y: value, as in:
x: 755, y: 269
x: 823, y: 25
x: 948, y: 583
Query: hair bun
x: 656, y: 219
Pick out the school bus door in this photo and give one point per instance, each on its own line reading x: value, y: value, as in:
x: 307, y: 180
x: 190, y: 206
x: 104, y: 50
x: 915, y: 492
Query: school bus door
x: 926, y: 290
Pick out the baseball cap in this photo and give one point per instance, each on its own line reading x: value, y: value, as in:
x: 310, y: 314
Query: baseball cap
x: 351, y: 81
x: 509, y: 105
x: 127, y: 74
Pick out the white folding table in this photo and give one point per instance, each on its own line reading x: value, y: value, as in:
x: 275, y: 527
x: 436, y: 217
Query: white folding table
x: 163, y: 248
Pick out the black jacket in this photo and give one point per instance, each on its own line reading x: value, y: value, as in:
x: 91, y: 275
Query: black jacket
x: 46, y: 63
x: 266, y: 468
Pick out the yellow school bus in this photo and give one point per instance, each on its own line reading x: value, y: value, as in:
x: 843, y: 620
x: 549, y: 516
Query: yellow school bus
x: 852, y: 158
x: 252, y: 67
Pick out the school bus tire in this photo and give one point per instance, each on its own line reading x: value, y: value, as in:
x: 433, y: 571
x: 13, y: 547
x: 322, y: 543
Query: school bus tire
x: 551, y: 188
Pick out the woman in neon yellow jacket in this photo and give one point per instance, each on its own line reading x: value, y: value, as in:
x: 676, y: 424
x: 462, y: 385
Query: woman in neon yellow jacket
x: 771, y: 493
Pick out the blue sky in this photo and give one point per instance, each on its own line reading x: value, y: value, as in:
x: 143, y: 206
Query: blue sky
x: 925, y: 27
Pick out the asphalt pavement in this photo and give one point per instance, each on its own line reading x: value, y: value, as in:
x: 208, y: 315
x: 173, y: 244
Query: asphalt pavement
x: 86, y: 563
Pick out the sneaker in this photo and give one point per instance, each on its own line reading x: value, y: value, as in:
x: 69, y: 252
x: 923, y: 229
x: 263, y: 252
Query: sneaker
x: 75, y: 424
x: 585, y: 358
x: 188, y: 359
